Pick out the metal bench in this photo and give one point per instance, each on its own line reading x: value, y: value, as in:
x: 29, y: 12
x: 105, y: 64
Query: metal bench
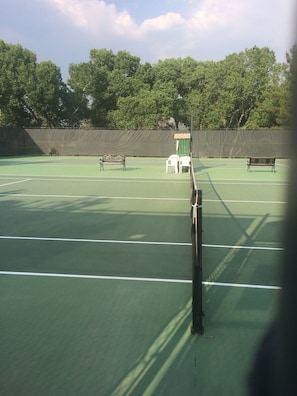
x: 112, y: 159
x: 261, y: 161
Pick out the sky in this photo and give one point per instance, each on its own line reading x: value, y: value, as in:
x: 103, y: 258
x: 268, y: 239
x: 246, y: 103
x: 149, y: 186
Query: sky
x: 64, y: 31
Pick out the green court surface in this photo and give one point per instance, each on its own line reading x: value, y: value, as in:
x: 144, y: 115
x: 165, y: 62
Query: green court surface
x: 95, y: 275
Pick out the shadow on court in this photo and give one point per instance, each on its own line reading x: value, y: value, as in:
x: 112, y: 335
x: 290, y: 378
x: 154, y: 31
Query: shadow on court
x: 96, y: 295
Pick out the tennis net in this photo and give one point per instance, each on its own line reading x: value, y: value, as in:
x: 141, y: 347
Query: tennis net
x: 196, y: 236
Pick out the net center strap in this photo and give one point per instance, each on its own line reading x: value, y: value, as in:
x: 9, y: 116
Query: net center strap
x: 195, y: 207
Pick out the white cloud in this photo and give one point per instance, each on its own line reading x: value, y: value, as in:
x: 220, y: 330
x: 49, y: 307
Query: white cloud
x: 214, y: 13
x: 66, y: 30
x: 209, y: 29
x: 93, y: 15
x: 74, y: 11
x: 162, y: 23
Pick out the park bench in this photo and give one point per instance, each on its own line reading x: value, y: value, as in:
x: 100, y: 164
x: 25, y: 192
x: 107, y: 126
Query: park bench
x: 53, y: 151
x: 112, y: 159
x: 261, y: 161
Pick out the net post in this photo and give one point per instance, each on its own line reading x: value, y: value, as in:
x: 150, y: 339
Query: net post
x: 196, y: 234
x: 191, y: 136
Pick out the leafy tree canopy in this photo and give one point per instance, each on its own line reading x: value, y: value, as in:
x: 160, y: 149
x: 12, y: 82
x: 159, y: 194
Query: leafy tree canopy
x: 248, y: 89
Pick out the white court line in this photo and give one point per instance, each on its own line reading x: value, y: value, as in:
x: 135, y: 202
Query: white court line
x: 249, y: 286
x: 100, y: 277
x: 240, y: 182
x: 135, y: 198
x: 55, y: 239
x: 242, y: 247
x: 244, y: 202
x: 135, y: 279
x: 65, y: 178
x: 15, y: 182
x: 92, y: 197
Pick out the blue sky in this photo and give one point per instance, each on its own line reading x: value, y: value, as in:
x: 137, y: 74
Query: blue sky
x: 64, y: 31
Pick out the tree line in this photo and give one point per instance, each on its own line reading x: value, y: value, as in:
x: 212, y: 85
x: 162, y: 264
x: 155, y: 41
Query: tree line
x: 247, y: 90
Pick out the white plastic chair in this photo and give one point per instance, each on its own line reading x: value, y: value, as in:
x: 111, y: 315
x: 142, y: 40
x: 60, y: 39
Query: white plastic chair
x: 172, y: 162
x: 184, y: 162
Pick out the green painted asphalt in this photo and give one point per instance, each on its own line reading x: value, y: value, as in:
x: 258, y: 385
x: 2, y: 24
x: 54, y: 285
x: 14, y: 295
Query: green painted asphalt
x: 95, y: 284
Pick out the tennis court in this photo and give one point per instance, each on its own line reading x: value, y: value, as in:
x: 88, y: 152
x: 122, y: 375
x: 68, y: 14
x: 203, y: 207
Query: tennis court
x: 96, y: 275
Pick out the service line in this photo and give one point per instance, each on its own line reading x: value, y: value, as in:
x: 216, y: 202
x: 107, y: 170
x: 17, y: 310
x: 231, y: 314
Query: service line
x: 15, y: 182
x: 135, y: 279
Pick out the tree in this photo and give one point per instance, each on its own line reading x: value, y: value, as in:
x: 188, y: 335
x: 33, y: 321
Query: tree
x: 149, y: 109
x: 135, y: 112
x: 146, y: 74
x: 17, y: 73
x: 32, y: 94
x: 245, y: 90
x: 168, y: 73
x: 45, y: 99
x: 103, y: 81
x: 273, y: 111
x: 102, y: 59
x: 203, y: 89
x: 247, y: 77
x: 89, y: 84
x: 126, y: 64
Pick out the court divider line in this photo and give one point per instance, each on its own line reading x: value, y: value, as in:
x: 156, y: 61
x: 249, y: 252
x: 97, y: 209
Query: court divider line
x: 240, y: 182
x: 99, y: 179
x: 135, y: 279
x: 244, y: 201
x: 131, y: 198
x: 91, y: 197
x: 206, y: 245
x: 144, y: 180
x: 56, y: 239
